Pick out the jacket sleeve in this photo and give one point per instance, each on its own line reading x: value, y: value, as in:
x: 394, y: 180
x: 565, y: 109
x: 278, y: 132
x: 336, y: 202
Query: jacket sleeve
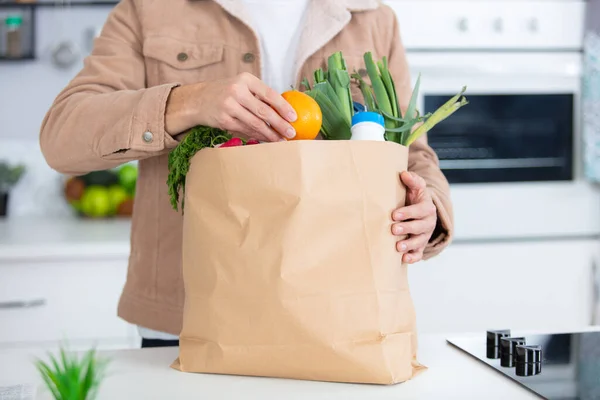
x: 106, y: 116
x: 422, y: 159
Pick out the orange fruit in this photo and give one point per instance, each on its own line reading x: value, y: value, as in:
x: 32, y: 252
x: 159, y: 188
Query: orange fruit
x: 310, y: 118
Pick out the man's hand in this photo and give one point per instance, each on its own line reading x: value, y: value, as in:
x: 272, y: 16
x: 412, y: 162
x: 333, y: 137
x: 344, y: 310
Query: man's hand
x: 243, y: 105
x: 417, y: 219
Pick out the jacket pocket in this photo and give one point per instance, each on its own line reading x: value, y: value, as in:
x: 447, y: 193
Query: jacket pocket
x: 173, y: 60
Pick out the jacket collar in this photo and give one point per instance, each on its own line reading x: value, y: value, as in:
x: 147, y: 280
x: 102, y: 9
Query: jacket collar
x: 324, y: 20
x: 338, y: 7
x: 361, y: 5
x: 350, y: 5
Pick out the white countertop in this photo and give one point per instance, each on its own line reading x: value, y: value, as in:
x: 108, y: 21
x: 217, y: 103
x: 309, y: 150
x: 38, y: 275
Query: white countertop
x: 63, y: 238
x: 146, y: 374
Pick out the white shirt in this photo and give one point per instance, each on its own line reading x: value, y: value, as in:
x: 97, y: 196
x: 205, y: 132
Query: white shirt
x: 278, y: 25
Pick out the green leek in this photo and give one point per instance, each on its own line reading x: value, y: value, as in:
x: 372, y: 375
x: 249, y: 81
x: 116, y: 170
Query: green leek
x: 339, y: 79
x: 319, y: 76
x: 306, y: 83
x: 331, y: 90
x: 367, y: 93
x: 390, y: 88
x: 334, y: 126
x: 381, y: 95
x: 449, y: 108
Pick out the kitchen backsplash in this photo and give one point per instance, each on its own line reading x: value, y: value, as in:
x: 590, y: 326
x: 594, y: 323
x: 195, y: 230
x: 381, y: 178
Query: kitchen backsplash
x: 28, y: 89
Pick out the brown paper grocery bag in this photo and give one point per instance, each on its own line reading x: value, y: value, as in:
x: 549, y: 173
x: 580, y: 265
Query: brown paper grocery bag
x: 289, y: 263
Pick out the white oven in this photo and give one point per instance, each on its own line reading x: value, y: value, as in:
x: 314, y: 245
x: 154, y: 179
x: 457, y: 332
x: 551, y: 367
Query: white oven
x: 513, y: 155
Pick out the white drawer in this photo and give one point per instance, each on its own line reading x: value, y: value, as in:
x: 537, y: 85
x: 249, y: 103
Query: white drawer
x: 61, y: 301
x: 492, y: 24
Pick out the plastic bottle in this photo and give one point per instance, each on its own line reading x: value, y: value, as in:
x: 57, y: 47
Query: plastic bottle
x: 368, y: 126
x: 13, y: 36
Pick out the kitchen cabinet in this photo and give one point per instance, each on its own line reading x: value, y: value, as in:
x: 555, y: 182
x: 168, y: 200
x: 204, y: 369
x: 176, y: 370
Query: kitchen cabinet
x: 491, y: 24
x: 76, y: 301
x: 545, y: 285
x: 60, y: 282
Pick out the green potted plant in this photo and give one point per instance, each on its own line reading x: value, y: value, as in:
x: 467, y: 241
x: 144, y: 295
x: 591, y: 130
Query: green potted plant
x: 68, y: 377
x: 9, y: 176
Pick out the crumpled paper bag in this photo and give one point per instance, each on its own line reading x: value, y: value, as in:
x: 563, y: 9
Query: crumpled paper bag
x: 289, y: 263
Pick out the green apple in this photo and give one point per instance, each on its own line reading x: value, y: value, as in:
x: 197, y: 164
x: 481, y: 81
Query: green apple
x: 95, y: 202
x: 128, y: 177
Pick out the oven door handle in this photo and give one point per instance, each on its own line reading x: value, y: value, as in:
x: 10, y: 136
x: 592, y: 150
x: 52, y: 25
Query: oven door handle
x: 457, y: 69
x: 491, y: 70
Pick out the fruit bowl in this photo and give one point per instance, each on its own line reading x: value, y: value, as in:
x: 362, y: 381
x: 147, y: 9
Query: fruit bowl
x: 103, y: 194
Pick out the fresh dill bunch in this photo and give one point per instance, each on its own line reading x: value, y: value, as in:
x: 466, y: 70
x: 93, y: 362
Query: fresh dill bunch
x: 179, y: 159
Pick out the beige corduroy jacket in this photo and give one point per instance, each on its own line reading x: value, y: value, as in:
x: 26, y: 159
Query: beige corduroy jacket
x: 113, y: 112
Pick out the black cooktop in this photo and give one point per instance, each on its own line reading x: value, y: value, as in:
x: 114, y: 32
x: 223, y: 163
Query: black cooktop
x: 563, y: 366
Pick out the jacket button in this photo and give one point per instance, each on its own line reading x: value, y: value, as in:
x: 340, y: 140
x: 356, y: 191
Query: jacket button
x: 182, y: 56
x: 249, y: 58
x: 147, y: 137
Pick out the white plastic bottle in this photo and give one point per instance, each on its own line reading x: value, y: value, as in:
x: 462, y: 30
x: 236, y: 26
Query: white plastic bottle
x: 368, y: 125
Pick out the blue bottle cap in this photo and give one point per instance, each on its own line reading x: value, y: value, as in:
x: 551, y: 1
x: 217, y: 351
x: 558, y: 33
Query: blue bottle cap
x: 368, y: 116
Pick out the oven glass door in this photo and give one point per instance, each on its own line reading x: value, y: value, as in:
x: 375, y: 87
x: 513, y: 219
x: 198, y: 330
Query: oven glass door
x: 519, y: 125
x: 505, y: 138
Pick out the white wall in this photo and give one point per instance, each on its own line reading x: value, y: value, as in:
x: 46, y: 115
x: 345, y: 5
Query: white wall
x: 27, y: 89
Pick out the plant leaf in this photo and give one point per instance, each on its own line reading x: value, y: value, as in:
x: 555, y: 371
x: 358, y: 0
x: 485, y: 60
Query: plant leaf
x: 404, y: 128
x: 393, y: 118
x: 195, y: 140
x: 339, y: 79
x: 334, y: 126
x: 88, y: 375
x: 450, y: 103
x: 412, y: 105
x: 367, y: 93
x: 326, y: 88
x: 319, y: 76
x: 391, y: 78
x: 306, y: 83
x: 70, y: 378
x: 438, y: 116
x: 389, y: 86
x: 49, y: 378
x: 381, y: 96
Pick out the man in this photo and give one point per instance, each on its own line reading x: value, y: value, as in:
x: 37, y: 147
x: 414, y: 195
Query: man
x: 162, y: 67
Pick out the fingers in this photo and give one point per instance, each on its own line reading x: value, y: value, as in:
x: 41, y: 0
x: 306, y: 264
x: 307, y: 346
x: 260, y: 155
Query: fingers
x: 253, y: 126
x: 271, y: 97
x: 413, y: 181
x: 414, y: 242
x: 415, y: 227
x: 416, y: 221
x: 413, y: 246
x: 238, y: 129
x: 416, y: 211
x: 265, y: 113
x: 413, y: 256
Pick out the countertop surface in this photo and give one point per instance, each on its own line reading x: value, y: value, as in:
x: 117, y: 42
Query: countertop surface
x: 146, y: 374
x: 63, y: 238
